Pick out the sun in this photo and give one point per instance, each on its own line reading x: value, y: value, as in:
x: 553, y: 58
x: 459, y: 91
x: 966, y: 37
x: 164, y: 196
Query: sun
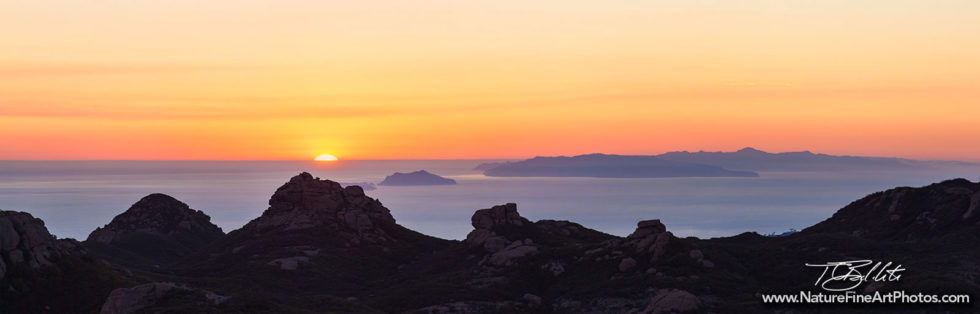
x: 325, y: 157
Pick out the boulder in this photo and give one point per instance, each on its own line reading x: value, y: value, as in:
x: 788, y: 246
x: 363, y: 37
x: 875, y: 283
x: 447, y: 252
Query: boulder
x: 132, y: 300
x: 500, y: 215
x: 289, y: 263
x: 696, y: 255
x: 650, y: 236
x: 554, y: 267
x: 138, y: 298
x: 627, y: 264
x: 515, y: 250
x: 673, y: 300
x: 531, y: 299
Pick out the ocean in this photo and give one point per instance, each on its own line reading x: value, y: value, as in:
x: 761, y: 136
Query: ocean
x: 75, y: 197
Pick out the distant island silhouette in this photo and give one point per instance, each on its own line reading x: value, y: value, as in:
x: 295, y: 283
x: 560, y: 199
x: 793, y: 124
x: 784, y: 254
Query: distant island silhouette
x: 420, y: 177
x: 367, y: 186
x: 741, y: 163
x: 753, y: 159
x: 609, y: 166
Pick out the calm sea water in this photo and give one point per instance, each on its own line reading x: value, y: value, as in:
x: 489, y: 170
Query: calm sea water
x: 75, y: 197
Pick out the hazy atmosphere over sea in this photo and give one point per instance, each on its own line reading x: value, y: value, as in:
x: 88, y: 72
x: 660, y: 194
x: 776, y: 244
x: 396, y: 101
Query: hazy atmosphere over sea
x: 75, y: 197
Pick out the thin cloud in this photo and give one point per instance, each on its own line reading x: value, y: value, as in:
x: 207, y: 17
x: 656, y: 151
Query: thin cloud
x: 233, y: 108
x: 777, y: 90
x: 44, y: 109
x: 88, y: 69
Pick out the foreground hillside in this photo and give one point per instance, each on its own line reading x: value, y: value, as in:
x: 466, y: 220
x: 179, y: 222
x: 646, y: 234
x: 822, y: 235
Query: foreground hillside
x: 321, y: 247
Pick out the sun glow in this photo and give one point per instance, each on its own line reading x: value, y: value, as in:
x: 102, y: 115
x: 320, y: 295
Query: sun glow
x: 325, y: 157
x: 436, y: 79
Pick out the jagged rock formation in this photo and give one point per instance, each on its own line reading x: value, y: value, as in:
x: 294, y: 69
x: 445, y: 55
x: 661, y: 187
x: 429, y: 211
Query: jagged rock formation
x: 907, y: 213
x: 306, y: 202
x: 42, y: 274
x: 307, y: 215
x: 158, y: 229
x: 562, y: 255
x: 485, y: 220
x: 504, y: 235
x: 420, y: 177
x: 25, y: 240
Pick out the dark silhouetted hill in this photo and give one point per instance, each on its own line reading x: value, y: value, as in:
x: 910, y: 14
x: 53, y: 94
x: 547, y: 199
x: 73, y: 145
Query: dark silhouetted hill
x: 157, y: 230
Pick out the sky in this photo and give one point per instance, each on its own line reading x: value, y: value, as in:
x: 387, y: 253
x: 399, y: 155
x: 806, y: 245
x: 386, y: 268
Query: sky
x: 247, y: 79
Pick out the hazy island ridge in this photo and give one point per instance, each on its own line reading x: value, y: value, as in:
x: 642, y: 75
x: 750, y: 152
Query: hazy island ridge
x: 742, y: 163
x: 610, y: 166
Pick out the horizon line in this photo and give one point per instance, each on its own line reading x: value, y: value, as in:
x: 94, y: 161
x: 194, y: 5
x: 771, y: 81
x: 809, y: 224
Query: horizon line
x: 970, y: 160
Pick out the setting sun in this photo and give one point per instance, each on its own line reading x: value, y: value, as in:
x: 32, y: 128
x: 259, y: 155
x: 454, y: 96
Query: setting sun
x: 325, y: 157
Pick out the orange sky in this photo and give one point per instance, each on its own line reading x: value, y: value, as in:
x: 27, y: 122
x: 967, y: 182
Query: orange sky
x: 250, y: 79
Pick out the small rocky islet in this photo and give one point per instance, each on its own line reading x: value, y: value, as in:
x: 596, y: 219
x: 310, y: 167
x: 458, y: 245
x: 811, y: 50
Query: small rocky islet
x: 420, y: 177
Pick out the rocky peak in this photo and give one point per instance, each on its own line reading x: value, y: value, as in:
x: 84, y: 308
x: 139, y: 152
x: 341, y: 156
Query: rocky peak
x: 907, y: 213
x: 160, y: 215
x: 156, y: 230
x: 25, y: 240
x: 306, y: 202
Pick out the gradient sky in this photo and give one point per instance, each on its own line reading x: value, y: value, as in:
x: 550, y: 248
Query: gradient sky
x: 238, y: 79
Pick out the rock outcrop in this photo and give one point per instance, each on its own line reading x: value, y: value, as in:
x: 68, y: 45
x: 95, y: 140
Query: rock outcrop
x: 42, y: 274
x: 306, y: 203
x: 157, y: 229
x: 503, y: 234
x: 25, y: 240
x: 309, y: 215
x: 650, y: 236
x: 491, y: 229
